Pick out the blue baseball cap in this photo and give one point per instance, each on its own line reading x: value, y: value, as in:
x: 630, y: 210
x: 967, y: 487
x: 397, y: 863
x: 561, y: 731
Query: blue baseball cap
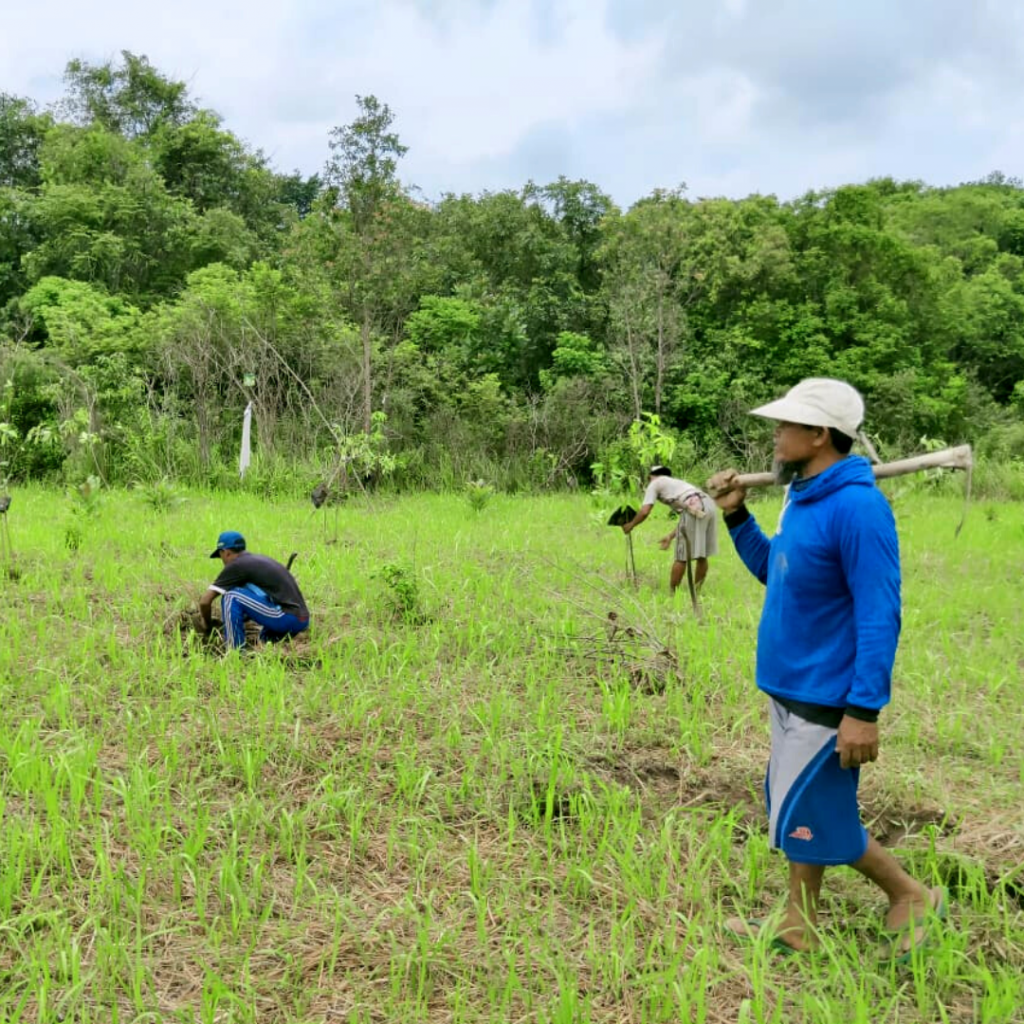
x: 229, y: 540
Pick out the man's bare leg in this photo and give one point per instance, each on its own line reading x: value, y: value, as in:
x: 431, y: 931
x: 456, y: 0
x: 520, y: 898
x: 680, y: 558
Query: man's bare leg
x: 679, y: 571
x: 909, y: 900
x: 701, y: 573
x: 676, y: 577
x: 797, y: 928
x: 801, y: 918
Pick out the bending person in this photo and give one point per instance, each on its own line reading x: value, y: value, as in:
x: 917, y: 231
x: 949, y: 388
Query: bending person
x: 696, y: 531
x: 253, y: 587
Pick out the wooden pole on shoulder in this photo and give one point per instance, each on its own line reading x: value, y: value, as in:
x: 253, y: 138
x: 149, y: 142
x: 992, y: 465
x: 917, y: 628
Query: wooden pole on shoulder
x: 949, y: 458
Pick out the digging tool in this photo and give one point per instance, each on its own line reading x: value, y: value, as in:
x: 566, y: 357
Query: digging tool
x: 622, y: 515
x: 694, y: 600
x: 960, y: 457
x: 6, y: 551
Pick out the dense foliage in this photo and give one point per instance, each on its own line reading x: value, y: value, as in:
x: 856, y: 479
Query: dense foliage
x: 156, y: 275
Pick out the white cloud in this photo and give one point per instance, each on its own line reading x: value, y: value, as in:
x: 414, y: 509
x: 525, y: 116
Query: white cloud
x: 465, y: 87
x: 474, y: 87
x: 721, y: 102
x: 629, y: 93
x: 208, y: 43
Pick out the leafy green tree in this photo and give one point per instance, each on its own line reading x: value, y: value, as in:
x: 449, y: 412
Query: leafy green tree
x: 156, y: 119
x: 575, y: 355
x: 655, y: 274
x: 363, y: 168
x: 80, y: 321
x: 196, y: 336
x: 201, y: 161
x: 131, y: 238
x: 220, y: 236
x: 22, y: 130
x: 875, y: 297
x: 130, y: 99
x: 370, y: 231
x: 966, y: 223
x: 990, y: 339
x: 103, y: 215
x: 509, y: 254
x: 298, y: 193
x: 28, y: 408
x: 18, y: 236
x: 579, y: 207
x: 88, y: 156
x: 443, y: 324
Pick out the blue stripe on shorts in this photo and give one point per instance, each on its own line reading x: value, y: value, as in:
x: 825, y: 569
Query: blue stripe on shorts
x: 812, y: 801
x: 250, y: 602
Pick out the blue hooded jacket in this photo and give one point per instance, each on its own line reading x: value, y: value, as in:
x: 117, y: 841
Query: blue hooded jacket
x: 831, y: 617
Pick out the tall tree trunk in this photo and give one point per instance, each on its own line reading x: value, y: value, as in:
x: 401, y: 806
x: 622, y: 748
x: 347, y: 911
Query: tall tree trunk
x: 367, y: 379
x: 660, y: 372
x: 634, y: 369
x: 203, y: 429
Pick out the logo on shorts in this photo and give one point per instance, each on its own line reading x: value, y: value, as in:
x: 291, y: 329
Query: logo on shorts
x: 803, y: 832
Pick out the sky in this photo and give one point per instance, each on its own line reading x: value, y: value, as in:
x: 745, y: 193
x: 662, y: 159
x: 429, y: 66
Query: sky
x: 729, y: 97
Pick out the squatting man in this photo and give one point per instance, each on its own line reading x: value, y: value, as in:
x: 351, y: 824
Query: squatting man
x: 825, y: 651
x: 253, y: 587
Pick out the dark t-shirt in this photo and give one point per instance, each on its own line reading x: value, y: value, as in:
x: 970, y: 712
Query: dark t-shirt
x: 270, y: 576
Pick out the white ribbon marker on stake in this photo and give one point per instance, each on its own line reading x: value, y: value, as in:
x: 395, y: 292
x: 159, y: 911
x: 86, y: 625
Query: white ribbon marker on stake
x: 245, y: 456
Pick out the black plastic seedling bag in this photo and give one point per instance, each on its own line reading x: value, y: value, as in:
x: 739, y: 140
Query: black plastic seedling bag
x: 622, y: 515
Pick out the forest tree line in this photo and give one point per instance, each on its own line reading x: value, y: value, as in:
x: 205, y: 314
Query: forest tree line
x: 157, y: 275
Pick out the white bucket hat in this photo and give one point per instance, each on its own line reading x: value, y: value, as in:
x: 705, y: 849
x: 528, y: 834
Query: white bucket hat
x: 818, y: 402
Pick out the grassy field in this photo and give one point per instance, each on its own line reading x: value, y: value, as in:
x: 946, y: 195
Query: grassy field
x: 468, y: 796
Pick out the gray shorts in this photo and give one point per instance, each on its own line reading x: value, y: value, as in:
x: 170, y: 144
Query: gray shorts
x: 702, y: 533
x: 813, y: 817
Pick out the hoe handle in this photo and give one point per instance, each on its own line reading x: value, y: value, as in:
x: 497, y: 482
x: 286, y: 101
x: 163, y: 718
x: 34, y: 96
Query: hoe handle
x: 949, y: 458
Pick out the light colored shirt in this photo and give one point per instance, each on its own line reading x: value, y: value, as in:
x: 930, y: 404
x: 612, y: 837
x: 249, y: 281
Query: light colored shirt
x: 668, y: 490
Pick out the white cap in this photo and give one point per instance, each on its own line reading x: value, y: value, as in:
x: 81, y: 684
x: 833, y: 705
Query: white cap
x: 818, y: 402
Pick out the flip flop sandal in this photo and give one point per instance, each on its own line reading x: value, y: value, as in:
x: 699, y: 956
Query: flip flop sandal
x: 924, y: 928
x: 751, y: 929
x: 939, y: 909
x: 923, y: 941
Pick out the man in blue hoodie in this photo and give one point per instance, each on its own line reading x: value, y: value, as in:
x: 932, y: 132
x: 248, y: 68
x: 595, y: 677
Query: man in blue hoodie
x: 825, y: 650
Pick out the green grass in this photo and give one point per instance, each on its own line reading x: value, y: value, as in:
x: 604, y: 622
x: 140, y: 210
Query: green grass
x: 483, y: 809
